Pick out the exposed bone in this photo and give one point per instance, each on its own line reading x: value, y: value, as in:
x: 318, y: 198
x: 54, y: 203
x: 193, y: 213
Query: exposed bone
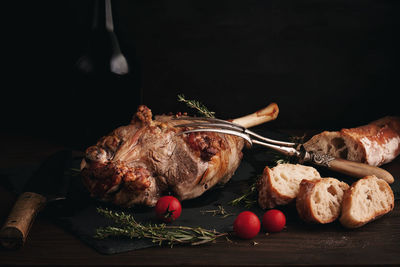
x: 266, y: 114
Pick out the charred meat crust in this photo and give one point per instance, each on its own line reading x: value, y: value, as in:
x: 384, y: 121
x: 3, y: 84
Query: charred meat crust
x: 142, y: 115
x: 206, y: 144
x: 106, y: 178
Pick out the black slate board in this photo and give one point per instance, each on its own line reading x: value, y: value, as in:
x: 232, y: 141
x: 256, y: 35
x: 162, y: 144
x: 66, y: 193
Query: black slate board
x: 83, y: 218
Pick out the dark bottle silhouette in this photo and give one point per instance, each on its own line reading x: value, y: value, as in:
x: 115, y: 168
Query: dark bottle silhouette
x: 108, y: 85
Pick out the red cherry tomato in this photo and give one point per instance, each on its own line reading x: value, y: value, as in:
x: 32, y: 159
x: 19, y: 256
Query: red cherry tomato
x: 168, y: 208
x: 247, y: 225
x: 274, y: 221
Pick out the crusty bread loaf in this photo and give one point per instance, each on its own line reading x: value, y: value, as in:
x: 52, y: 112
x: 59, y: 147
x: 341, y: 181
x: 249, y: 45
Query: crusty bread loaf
x: 280, y: 185
x: 320, y: 200
x: 366, y: 200
x: 376, y: 143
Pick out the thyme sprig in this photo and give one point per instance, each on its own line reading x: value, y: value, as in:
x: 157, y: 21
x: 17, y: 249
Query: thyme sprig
x: 249, y: 196
x: 220, y: 211
x: 159, y: 233
x: 201, y: 109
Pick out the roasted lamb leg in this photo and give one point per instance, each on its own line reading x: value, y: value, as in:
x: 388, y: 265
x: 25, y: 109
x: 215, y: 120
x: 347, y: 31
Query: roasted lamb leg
x: 139, y: 162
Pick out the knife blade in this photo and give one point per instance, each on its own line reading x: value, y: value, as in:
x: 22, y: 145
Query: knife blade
x: 47, y: 184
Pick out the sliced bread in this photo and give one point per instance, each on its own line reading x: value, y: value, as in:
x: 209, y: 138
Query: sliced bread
x: 366, y: 200
x: 320, y: 200
x: 280, y: 185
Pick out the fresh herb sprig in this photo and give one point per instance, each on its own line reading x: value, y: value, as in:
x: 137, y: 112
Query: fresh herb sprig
x: 249, y: 196
x: 159, y: 233
x: 201, y: 109
x: 220, y: 211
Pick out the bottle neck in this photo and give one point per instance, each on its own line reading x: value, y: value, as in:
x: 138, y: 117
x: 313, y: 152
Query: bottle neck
x: 103, y: 55
x: 102, y: 19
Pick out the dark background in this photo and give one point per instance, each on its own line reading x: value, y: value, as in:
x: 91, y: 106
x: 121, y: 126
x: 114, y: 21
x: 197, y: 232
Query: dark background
x: 328, y: 64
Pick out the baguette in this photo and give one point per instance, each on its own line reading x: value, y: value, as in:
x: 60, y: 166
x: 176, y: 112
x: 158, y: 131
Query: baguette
x: 366, y: 200
x: 280, y: 185
x: 375, y: 144
x: 320, y: 200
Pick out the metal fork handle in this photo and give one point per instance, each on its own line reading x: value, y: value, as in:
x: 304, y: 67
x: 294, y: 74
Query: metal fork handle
x: 269, y: 140
x: 288, y: 151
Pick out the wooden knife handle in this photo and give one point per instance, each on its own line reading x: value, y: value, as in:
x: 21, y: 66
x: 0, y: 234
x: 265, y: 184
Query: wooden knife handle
x: 359, y: 170
x: 16, y: 228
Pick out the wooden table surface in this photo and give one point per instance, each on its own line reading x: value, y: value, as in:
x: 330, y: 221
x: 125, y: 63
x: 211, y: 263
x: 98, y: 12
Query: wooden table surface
x: 377, y: 243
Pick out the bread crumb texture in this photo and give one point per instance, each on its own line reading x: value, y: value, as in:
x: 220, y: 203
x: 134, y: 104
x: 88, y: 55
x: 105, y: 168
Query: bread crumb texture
x: 320, y: 201
x: 366, y: 200
x: 286, y: 178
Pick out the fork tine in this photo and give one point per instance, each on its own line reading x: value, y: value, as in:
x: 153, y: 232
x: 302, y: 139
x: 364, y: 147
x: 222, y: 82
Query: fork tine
x: 224, y: 131
x: 269, y: 140
x: 214, y: 125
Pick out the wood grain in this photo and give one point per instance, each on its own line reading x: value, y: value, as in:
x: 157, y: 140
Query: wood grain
x: 298, y: 244
x: 16, y: 228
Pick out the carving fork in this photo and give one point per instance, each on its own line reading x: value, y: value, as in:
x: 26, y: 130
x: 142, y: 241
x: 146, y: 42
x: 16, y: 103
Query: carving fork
x: 351, y: 168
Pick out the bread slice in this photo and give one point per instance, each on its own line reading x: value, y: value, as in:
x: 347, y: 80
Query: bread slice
x: 366, y: 200
x: 280, y: 185
x: 376, y: 143
x: 320, y: 200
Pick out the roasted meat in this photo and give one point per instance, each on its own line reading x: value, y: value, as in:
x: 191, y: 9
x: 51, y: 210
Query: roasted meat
x: 139, y: 162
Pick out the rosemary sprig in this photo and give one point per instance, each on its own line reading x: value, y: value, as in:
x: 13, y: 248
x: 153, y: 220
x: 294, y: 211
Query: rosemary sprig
x: 158, y: 233
x: 220, y: 211
x: 249, y: 196
x: 201, y: 109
